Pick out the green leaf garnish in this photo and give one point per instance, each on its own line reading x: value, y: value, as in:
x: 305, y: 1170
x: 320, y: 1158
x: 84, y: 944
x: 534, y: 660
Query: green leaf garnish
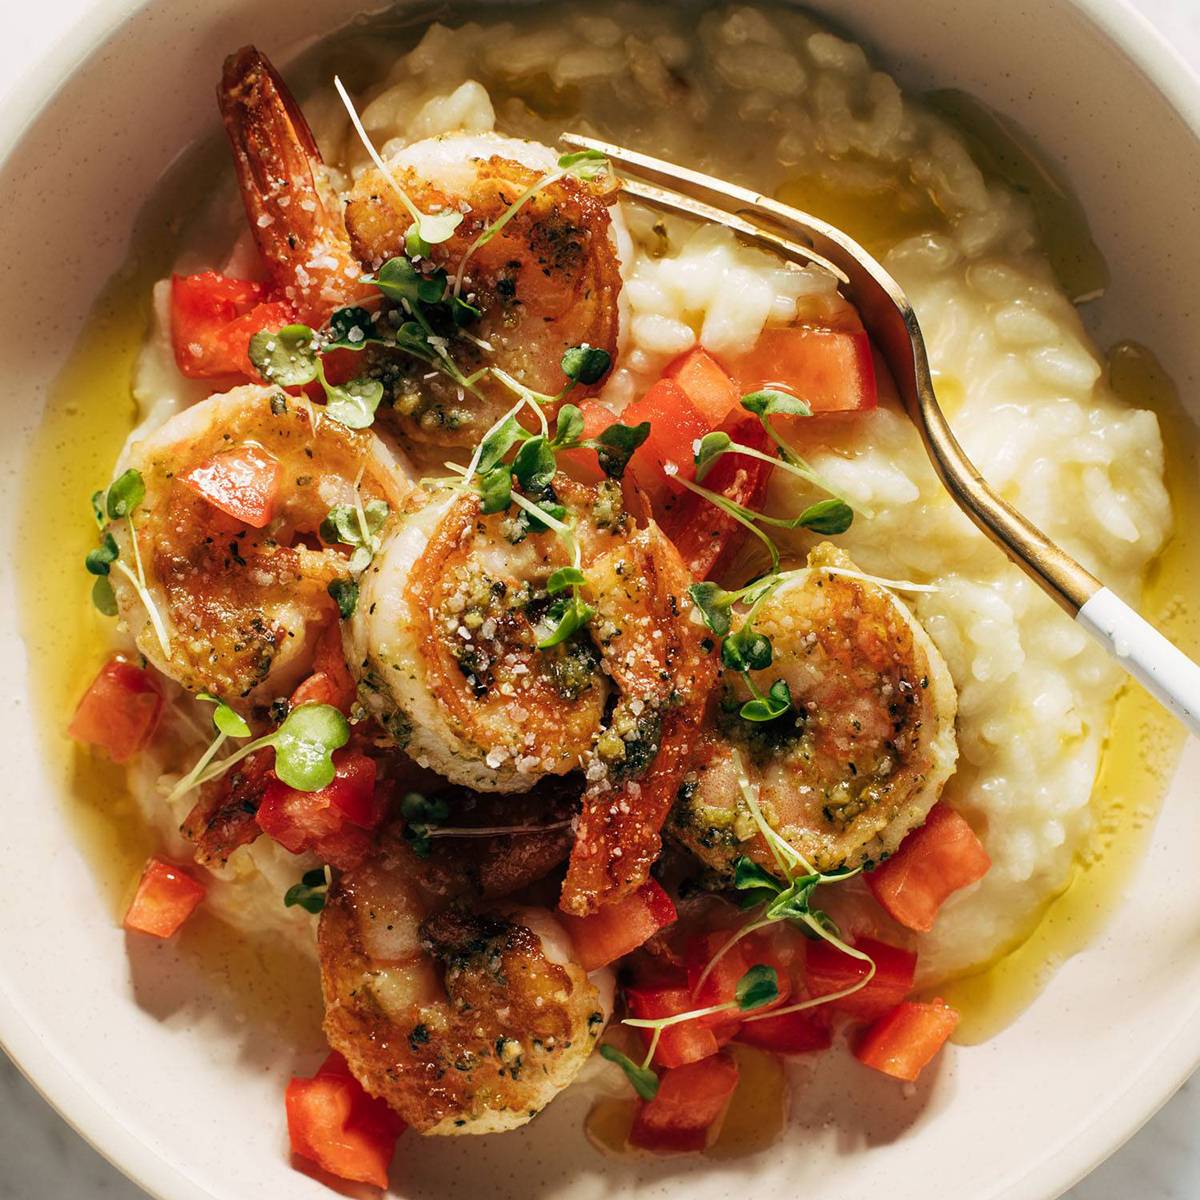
x: 712, y: 446
x: 584, y: 164
x: 421, y: 813
x: 770, y: 401
x: 759, y: 986
x: 535, y: 465
x: 616, y: 445
x: 304, y: 745
x: 126, y: 492
x: 288, y: 357
x: 495, y: 489
x: 225, y: 720
x: 586, y: 364
x: 499, y: 442
x: 345, y: 595
x: 715, y: 605
x: 564, y: 578
x: 568, y: 429
x: 748, y: 874
x: 775, y: 703
x: 827, y: 516
x: 746, y: 650
x: 100, y: 560
x: 569, y: 614
x: 309, y: 893
x: 98, y: 508
x: 399, y: 280
x: 351, y: 329
x: 435, y: 228
x: 353, y: 404
x: 103, y: 596
x: 644, y: 1080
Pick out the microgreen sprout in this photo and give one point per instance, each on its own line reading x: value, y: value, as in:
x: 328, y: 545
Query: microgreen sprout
x: 304, y: 743
x: 356, y: 525
x: 119, y: 503
x: 291, y: 357
x: 421, y: 815
x: 644, y: 1080
x: 309, y: 894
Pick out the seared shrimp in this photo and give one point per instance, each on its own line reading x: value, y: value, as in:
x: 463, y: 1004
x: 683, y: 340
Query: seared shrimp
x: 240, y: 606
x: 866, y: 748
x: 550, y: 279
x: 445, y: 642
x: 464, y: 1019
x: 294, y: 215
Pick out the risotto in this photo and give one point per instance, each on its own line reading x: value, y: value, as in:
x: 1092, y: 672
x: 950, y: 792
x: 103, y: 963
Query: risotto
x: 762, y: 96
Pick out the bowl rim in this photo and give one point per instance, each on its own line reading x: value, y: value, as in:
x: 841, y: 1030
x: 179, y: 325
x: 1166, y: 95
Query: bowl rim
x: 77, y: 1100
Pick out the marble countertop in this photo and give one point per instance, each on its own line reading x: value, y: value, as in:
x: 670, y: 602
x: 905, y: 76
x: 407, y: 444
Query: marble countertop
x: 41, y: 1156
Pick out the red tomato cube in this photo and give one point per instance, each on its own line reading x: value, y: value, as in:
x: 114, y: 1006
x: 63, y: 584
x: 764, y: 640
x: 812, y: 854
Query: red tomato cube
x: 827, y: 969
x: 687, y: 1113
x: 789, y: 1033
x: 933, y: 862
x: 166, y: 896
x: 120, y: 710
x: 620, y: 927
x: 689, y: 1041
x: 243, y: 483
x: 719, y: 985
x: 832, y: 369
x: 335, y: 1124
x: 903, y: 1043
x: 706, y: 384
x: 675, y: 424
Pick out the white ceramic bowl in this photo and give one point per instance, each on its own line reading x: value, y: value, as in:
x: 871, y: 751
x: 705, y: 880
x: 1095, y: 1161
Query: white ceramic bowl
x: 184, y: 1094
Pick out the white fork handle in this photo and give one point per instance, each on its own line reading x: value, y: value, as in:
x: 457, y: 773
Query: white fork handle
x: 1165, y: 671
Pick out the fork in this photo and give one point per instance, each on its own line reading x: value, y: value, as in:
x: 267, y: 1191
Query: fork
x: 1164, y: 670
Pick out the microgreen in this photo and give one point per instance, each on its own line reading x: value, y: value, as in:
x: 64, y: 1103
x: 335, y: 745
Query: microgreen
x: 120, y: 503
x: 225, y: 720
x: 569, y: 615
x: 309, y: 894
x: 586, y: 364
x: 291, y: 357
x: 771, y: 401
x: 356, y: 525
x: 644, y: 1080
x: 304, y: 743
x: 399, y: 280
x: 759, y: 986
x: 344, y: 593
x: 421, y: 815
x: 351, y: 329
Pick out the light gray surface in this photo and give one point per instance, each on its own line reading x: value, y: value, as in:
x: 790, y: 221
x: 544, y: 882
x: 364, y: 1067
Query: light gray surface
x: 41, y: 1158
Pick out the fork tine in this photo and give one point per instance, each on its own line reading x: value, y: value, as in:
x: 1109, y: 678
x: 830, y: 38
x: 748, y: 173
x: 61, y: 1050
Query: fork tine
x: 678, y: 203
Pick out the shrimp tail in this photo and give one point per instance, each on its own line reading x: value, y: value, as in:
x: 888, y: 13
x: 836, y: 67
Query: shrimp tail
x: 295, y: 219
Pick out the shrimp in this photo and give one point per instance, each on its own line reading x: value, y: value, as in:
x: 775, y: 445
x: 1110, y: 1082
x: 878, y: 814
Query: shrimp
x: 465, y: 1019
x: 294, y: 215
x: 444, y: 641
x: 241, y: 607
x: 549, y: 279
x: 862, y: 756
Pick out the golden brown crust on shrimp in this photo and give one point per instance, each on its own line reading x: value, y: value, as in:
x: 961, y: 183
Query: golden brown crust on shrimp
x: 295, y: 219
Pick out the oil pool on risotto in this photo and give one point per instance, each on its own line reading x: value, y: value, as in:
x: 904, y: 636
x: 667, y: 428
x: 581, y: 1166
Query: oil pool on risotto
x: 540, y: 611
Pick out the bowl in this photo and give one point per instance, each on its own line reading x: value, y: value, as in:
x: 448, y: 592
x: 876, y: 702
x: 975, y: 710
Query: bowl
x: 171, y: 1059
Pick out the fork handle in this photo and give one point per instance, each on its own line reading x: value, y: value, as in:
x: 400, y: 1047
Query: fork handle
x: 1163, y: 669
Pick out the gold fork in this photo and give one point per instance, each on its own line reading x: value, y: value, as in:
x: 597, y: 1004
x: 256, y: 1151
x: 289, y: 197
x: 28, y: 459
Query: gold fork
x: 892, y: 325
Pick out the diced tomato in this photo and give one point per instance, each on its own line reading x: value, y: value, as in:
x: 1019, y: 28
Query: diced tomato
x: 330, y: 821
x: 689, y: 1041
x: 243, y: 483
x: 213, y: 319
x: 832, y: 369
x: 166, y: 896
x: 331, y: 681
x: 706, y: 384
x: 788, y: 1033
x: 933, y: 862
x: 120, y: 710
x: 720, y: 984
x: 707, y: 537
x: 335, y: 1124
x: 675, y: 424
x: 689, y: 1108
x: 619, y: 927
x: 903, y: 1043
x: 827, y: 969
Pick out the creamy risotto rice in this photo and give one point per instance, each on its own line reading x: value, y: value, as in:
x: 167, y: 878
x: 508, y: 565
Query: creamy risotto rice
x: 766, y: 97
